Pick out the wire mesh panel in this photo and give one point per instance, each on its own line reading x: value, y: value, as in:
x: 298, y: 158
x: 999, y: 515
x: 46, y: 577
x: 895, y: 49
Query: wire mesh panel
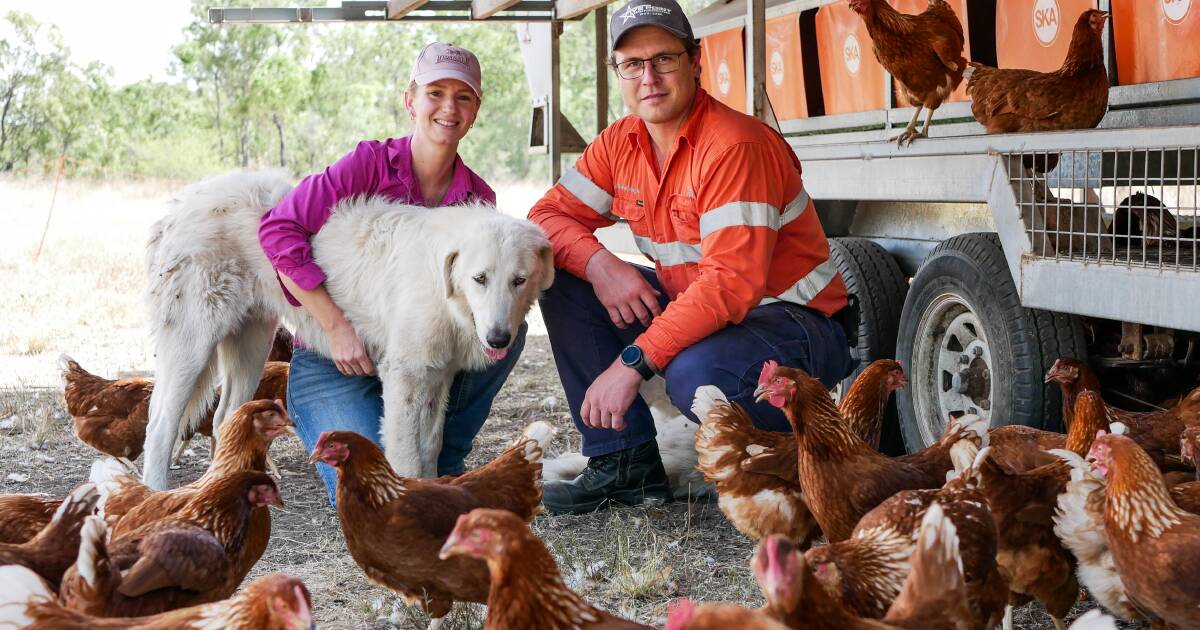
x: 1131, y: 207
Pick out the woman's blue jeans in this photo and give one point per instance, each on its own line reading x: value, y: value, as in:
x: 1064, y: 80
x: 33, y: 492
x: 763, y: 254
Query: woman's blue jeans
x: 320, y: 399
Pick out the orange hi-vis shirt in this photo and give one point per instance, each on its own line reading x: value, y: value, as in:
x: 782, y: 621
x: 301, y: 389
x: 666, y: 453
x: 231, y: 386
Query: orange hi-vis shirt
x: 727, y: 222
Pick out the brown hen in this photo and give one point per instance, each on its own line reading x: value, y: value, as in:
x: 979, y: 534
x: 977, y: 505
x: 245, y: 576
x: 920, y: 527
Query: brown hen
x: 758, y: 484
x: 842, y: 477
x: 395, y: 527
x: 923, y: 52
x: 188, y: 558
x: 933, y: 596
x: 866, y: 571
x: 527, y: 590
x: 1073, y: 97
x: 1157, y: 432
x: 53, y: 549
x: 272, y: 602
x: 111, y: 415
x: 1155, y: 544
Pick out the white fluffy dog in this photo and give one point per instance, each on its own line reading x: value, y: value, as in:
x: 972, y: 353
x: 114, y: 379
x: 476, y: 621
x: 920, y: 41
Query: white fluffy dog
x: 430, y: 292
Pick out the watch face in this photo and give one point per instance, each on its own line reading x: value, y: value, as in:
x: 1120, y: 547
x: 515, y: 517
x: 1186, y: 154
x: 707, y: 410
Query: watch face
x: 631, y: 355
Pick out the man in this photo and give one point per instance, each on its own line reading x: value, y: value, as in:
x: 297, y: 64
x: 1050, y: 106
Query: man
x: 742, y: 270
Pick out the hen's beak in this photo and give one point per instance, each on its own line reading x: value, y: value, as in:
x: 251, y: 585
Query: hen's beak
x: 316, y: 456
x: 278, y: 502
x: 451, y: 542
x: 761, y: 392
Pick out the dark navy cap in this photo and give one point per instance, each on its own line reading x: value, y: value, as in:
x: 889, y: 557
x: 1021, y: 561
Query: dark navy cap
x: 665, y: 14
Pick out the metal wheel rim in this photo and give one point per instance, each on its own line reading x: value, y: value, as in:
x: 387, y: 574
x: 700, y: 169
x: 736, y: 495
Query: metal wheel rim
x: 952, y: 366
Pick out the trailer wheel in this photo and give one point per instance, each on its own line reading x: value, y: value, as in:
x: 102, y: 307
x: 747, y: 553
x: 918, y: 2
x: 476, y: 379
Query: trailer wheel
x: 970, y: 347
x: 874, y: 278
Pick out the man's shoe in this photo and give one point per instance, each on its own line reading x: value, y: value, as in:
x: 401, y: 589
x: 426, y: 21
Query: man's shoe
x: 627, y: 477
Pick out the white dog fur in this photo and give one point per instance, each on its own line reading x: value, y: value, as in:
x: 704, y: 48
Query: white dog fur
x: 422, y: 287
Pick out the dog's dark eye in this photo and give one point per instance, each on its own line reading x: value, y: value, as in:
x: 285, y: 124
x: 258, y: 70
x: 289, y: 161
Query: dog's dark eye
x: 518, y: 281
x: 481, y: 278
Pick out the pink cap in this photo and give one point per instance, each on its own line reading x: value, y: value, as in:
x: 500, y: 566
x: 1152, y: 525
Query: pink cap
x: 445, y: 61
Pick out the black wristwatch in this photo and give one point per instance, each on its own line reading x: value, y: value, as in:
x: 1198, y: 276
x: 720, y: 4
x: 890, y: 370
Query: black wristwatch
x: 632, y: 356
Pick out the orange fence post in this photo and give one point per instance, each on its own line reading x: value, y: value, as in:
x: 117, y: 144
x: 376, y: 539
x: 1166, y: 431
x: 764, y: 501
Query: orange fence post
x: 1035, y: 34
x: 851, y: 77
x: 1156, y: 39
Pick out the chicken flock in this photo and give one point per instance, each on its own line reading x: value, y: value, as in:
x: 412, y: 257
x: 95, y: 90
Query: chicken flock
x: 952, y: 536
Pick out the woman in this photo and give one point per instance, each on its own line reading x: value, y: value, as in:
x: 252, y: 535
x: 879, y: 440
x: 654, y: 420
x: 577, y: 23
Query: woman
x: 443, y: 100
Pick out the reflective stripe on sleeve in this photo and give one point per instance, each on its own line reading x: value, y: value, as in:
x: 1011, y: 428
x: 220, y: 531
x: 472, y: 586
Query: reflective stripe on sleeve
x: 668, y: 254
x: 588, y: 192
x: 808, y: 287
x: 752, y: 214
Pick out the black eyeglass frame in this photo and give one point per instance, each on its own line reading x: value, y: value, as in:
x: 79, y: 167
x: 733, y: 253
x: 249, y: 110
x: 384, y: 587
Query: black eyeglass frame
x: 641, y: 65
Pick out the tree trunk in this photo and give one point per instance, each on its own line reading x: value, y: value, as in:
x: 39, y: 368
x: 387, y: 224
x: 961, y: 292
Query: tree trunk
x: 220, y: 134
x: 278, y: 120
x: 8, y: 99
x: 244, y: 140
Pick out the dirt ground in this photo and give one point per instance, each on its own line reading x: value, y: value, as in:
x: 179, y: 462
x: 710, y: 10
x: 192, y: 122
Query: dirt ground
x: 83, y: 296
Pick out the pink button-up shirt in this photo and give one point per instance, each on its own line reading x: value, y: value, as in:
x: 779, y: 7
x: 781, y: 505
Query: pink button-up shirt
x: 372, y: 168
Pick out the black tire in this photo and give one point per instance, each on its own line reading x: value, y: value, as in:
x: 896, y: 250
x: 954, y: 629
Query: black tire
x: 873, y: 277
x: 963, y: 285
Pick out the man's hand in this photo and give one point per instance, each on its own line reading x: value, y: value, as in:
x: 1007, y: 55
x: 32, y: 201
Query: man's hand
x: 622, y: 290
x: 608, y: 399
x: 349, y: 353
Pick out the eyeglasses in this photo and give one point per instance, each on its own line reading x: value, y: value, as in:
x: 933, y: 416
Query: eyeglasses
x: 664, y: 63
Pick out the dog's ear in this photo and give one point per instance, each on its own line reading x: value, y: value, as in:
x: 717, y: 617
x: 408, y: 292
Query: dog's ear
x: 448, y: 273
x: 547, y: 256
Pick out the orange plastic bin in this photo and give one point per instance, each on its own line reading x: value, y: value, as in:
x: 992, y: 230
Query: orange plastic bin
x: 723, y: 67
x: 1156, y: 39
x: 851, y: 77
x: 785, y: 68
x: 913, y: 7
x: 1036, y: 34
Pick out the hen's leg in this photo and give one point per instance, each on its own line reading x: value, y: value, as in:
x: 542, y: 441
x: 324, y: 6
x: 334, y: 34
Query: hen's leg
x: 911, y: 129
x: 1007, y: 624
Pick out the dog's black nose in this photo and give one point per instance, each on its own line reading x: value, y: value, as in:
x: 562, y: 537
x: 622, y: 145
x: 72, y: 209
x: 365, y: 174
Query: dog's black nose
x: 498, y: 339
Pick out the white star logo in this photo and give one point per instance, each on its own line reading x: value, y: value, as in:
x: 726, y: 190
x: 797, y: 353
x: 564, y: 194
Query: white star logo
x: 628, y: 15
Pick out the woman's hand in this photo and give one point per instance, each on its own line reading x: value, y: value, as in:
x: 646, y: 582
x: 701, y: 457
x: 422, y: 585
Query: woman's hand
x: 349, y: 352
x: 622, y: 290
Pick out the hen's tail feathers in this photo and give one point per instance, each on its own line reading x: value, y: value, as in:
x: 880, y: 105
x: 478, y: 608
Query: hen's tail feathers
x: 93, y: 549
x: 21, y: 588
x: 79, y: 503
x: 564, y: 467
x: 1094, y: 620
x: 535, y: 439
x: 66, y: 365
x: 970, y: 434
x: 707, y: 398
x: 937, y: 573
x: 109, y: 474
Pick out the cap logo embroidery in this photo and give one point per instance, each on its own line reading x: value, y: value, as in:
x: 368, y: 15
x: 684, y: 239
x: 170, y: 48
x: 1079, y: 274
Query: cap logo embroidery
x: 636, y: 11
x: 452, y: 57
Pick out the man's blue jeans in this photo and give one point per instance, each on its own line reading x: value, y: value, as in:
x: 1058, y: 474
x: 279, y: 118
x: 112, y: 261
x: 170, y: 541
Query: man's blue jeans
x: 320, y: 399
x: 585, y: 342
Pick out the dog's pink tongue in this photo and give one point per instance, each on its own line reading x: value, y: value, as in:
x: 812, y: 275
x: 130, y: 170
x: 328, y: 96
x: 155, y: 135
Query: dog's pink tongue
x: 495, y: 354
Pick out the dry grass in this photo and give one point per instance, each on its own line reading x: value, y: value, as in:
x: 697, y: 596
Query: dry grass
x: 83, y: 296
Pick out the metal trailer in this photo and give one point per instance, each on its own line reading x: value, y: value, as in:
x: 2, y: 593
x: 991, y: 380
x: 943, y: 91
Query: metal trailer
x: 976, y: 274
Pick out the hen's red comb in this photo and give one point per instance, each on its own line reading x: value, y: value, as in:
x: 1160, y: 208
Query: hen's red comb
x: 680, y: 614
x: 768, y: 372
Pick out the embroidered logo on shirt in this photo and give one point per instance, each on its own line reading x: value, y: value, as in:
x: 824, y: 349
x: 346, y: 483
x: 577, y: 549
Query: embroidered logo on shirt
x: 627, y: 188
